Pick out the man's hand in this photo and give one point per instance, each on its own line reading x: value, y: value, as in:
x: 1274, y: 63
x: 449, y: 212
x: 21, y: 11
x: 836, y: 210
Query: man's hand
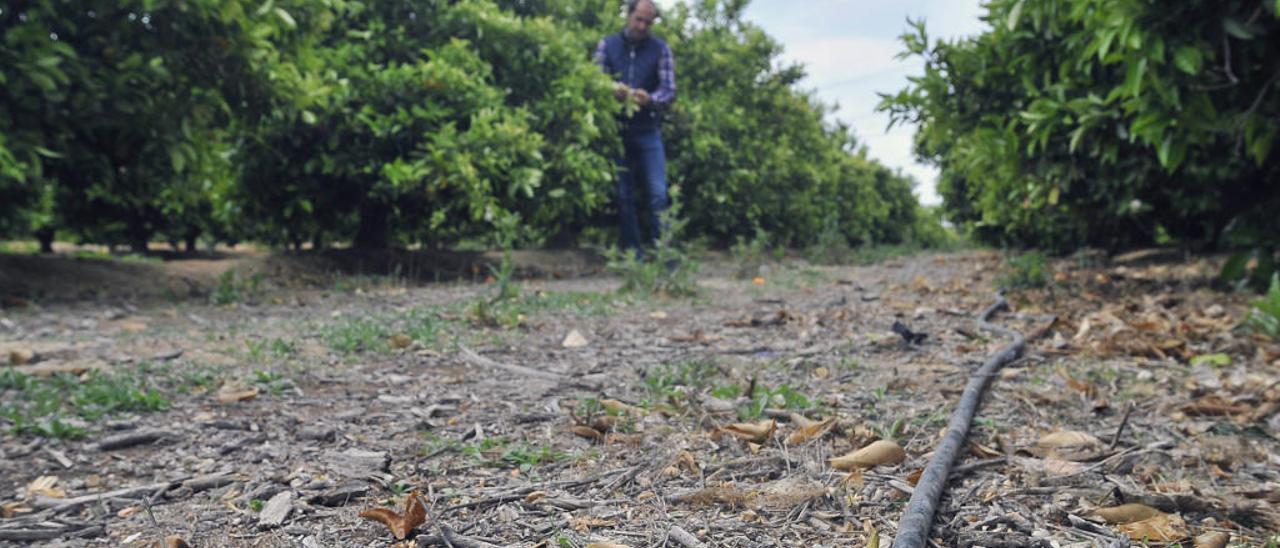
x: 620, y: 91
x: 642, y: 97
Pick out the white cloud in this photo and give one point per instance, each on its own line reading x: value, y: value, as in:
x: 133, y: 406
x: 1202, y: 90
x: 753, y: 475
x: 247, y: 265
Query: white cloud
x: 841, y: 59
x: 849, y: 48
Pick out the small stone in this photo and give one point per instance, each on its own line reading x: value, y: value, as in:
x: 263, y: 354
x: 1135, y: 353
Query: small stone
x: 276, y: 510
x: 574, y: 340
x: 318, y: 433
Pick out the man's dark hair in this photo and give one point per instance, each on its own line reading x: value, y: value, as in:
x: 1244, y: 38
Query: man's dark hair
x: 633, y: 4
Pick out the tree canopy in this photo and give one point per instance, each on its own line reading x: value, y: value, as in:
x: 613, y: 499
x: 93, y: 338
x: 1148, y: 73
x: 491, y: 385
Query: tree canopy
x: 1112, y: 123
x: 405, y: 123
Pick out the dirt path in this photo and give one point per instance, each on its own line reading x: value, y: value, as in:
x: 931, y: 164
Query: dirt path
x: 273, y: 420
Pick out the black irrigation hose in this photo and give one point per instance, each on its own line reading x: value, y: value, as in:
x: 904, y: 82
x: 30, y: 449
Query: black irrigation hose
x: 913, y: 530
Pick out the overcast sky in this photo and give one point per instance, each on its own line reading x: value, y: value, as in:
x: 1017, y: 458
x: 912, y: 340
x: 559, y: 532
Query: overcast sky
x: 848, y: 47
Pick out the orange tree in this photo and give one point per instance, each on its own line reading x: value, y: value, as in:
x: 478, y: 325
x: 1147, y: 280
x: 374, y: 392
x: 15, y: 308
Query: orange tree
x: 1111, y: 123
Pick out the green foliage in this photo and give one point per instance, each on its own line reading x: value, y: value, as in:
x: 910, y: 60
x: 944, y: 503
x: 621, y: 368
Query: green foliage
x: 751, y: 254
x: 1253, y: 268
x: 780, y: 397
x: 1265, y: 316
x: 404, y: 123
x: 499, y: 452
x: 357, y: 335
x: 233, y: 288
x: 670, y: 380
x: 433, y: 123
x: 666, y: 269
x: 116, y: 130
x: 59, y: 406
x: 1025, y: 270
x: 1106, y: 123
x: 830, y: 247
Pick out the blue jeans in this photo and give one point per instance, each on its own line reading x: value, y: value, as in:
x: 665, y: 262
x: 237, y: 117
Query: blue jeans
x: 643, y: 167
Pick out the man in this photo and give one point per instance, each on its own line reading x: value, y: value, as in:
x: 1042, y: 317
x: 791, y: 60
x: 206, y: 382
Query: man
x: 645, y: 76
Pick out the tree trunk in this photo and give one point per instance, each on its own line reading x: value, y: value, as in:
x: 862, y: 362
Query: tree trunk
x: 191, y: 239
x: 45, y: 237
x: 138, y: 233
x: 373, y: 232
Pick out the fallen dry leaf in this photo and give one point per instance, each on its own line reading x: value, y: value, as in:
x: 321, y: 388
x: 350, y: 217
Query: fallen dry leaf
x: 616, y: 407
x: 1161, y: 528
x: 1214, y: 406
x: 574, y: 340
x: 400, y: 340
x: 698, y: 336
x: 879, y: 452
x: 854, y: 478
x: 873, y: 535
x: 21, y: 356
x: 415, y: 514
x: 46, y: 486
x: 1088, y: 389
x: 810, y: 431
x: 607, y: 544
x: 131, y: 326
x: 1050, y: 466
x: 726, y: 495
x: 233, y: 392
x: 175, y: 541
x: 757, y: 280
x: 982, y: 451
x: 687, y: 461
x: 1213, y: 539
x: 1069, y: 445
x: 587, y: 432
x: 584, y: 523
x: 914, y: 477
x: 10, y: 509
x: 752, y: 431
x: 1126, y: 513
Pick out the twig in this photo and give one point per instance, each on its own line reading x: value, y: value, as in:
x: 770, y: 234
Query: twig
x: 1128, y: 410
x: 913, y: 530
x: 62, y: 505
x: 475, y: 359
x: 969, y: 467
x: 132, y: 438
x: 452, y: 538
x: 685, y: 538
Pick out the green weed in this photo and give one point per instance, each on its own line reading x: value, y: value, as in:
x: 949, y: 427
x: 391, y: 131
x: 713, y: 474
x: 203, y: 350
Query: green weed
x: 668, y: 380
x: 667, y: 269
x: 356, y: 335
x: 271, y: 382
x: 832, y: 246
x: 1025, y: 271
x: 751, y: 254
x: 781, y: 397
x: 45, y: 407
x: 233, y: 288
x: 1265, y: 316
